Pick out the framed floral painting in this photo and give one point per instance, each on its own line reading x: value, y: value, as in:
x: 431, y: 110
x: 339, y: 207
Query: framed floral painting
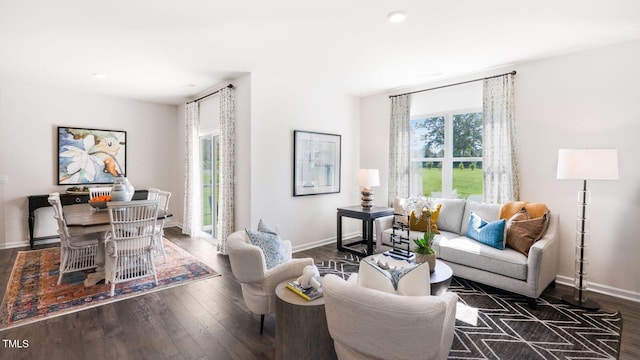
x: 91, y: 156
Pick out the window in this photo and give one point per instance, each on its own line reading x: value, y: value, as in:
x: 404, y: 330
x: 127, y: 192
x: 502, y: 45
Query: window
x: 446, y: 155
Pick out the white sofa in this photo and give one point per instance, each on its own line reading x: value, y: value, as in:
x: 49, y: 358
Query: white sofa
x: 505, y: 269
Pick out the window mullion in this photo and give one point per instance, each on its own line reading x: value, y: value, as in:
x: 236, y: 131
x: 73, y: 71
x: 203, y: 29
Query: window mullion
x: 447, y: 163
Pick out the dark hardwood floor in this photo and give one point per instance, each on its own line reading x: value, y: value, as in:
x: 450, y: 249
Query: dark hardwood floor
x: 203, y: 320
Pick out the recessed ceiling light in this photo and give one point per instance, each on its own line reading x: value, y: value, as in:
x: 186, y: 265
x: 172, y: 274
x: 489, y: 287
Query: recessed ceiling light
x: 99, y: 76
x: 397, y: 16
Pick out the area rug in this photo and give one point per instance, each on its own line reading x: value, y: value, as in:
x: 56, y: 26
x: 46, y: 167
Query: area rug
x: 495, y: 324
x: 33, y: 294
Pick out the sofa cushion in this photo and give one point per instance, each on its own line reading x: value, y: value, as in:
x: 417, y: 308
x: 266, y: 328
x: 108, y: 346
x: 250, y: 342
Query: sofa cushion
x: 488, y: 212
x: 488, y: 233
x: 451, y: 213
x: 442, y: 236
x: 523, y: 234
x: 465, y: 251
x: 411, y: 280
x: 422, y: 223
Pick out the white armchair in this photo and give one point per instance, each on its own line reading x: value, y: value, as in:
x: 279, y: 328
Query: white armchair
x: 371, y: 324
x: 258, y: 283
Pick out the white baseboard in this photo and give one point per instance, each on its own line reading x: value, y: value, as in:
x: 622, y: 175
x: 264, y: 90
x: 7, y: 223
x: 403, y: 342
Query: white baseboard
x: 331, y: 240
x: 602, y: 289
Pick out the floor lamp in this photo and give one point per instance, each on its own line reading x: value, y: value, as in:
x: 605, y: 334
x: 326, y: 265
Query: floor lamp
x: 585, y: 164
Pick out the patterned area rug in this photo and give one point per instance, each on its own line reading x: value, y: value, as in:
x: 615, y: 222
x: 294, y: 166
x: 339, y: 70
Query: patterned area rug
x: 32, y: 293
x: 495, y: 324
x: 341, y: 267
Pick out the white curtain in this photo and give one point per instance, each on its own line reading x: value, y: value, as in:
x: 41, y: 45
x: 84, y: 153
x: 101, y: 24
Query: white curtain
x: 499, y: 158
x: 227, y: 166
x: 192, y: 187
x: 399, y: 141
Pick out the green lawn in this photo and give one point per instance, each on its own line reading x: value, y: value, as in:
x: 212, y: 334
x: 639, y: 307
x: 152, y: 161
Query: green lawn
x: 466, y: 182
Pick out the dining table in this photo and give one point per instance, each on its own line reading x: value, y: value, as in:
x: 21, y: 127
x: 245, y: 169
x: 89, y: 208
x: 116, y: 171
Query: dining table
x: 83, y: 219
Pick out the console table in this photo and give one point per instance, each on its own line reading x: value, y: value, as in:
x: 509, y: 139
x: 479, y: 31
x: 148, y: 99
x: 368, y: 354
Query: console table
x: 40, y: 201
x: 367, y: 216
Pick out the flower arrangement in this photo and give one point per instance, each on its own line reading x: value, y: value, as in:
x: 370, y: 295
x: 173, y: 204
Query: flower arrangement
x: 417, y: 204
x: 424, y: 244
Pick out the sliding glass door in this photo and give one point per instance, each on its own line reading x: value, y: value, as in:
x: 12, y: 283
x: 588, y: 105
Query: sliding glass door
x: 210, y: 165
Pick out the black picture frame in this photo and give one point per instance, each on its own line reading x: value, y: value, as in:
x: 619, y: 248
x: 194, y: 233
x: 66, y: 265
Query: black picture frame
x: 316, y: 163
x: 90, y: 156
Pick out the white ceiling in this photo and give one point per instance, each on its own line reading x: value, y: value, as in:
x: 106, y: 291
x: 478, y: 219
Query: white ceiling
x: 168, y: 50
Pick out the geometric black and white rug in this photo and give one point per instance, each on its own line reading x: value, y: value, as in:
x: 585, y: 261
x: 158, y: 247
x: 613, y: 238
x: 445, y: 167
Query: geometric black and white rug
x: 495, y: 324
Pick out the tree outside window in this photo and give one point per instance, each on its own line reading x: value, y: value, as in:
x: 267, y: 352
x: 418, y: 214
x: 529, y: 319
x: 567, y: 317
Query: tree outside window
x: 446, y: 155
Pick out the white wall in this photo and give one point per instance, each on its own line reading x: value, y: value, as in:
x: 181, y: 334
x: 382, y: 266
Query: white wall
x: 29, y: 116
x: 587, y: 99
x: 278, y: 107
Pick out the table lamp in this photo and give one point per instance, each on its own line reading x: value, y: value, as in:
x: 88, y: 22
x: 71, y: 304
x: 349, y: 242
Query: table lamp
x: 585, y: 164
x: 367, y: 178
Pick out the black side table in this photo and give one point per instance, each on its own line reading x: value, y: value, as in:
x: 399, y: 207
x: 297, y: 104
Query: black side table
x: 367, y: 217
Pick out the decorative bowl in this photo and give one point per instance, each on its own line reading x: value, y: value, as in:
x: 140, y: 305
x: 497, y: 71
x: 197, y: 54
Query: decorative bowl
x: 98, y: 204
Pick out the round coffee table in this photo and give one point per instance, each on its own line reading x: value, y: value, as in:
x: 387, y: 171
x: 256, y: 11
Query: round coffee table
x: 440, y: 277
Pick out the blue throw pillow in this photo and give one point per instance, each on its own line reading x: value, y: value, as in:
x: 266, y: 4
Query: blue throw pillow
x: 488, y: 233
x: 271, y: 245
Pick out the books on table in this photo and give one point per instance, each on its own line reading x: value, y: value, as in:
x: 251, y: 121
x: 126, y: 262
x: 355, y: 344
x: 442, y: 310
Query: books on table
x: 309, y: 293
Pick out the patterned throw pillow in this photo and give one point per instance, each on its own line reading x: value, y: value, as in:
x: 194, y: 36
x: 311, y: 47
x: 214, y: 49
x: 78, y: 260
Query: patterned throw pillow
x: 271, y: 245
x: 410, y: 280
x: 262, y: 227
x: 488, y: 233
x: 422, y: 224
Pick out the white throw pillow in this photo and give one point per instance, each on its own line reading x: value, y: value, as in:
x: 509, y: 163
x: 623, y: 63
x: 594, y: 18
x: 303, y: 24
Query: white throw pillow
x: 412, y: 280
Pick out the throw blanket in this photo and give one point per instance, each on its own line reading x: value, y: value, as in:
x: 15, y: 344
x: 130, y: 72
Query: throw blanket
x: 510, y: 208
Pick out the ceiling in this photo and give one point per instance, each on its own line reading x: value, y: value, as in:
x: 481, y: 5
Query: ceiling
x: 166, y: 51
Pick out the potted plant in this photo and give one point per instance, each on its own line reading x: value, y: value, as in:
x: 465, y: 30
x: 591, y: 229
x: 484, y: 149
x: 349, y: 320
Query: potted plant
x: 424, y: 250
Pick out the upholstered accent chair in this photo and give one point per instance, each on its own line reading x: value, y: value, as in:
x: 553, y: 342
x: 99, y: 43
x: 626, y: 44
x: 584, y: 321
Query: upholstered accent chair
x: 371, y: 324
x: 258, y: 283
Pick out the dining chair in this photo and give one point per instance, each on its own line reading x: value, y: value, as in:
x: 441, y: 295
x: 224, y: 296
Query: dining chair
x: 129, y: 247
x: 163, y: 204
x: 77, y: 253
x: 98, y: 191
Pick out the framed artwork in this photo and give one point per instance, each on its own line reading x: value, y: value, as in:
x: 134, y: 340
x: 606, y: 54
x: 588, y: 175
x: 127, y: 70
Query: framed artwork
x: 316, y: 163
x: 90, y: 156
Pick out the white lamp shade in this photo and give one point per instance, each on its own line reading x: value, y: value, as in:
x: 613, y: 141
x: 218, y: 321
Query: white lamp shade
x: 368, y: 177
x: 588, y: 164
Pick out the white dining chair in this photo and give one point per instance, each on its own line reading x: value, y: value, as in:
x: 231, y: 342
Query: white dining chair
x: 98, y: 191
x: 129, y: 247
x: 77, y: 253
x: 163, y: 204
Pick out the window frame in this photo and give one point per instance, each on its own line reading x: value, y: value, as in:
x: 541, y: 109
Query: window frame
x: 448, y: 159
